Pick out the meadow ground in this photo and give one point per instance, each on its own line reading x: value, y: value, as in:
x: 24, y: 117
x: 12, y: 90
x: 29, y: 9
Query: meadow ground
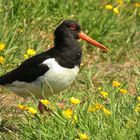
x: 104, y: 101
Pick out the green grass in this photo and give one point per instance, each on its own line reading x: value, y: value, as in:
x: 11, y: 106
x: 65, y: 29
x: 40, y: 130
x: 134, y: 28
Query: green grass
x: 30, y: 24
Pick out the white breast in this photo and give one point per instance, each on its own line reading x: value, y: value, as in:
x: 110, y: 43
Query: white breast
x: 56, y: 79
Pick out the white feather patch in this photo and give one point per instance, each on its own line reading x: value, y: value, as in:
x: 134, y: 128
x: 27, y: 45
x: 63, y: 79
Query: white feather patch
x: 56, y: 79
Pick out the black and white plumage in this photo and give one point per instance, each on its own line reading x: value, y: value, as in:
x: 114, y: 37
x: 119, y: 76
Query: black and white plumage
x: 51, y: 71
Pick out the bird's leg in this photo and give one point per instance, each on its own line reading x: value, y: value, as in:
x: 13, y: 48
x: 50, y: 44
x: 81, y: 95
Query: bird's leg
x: 41, y: 107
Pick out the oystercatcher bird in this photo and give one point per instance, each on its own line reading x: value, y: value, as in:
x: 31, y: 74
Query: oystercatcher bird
x: 51, y: 71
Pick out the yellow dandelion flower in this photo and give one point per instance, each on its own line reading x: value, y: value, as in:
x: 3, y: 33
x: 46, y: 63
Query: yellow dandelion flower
x: 83, y: 136
x: 106, y: 111
x: 116, y: 84
x: 116, y: 10
x: 31, y: 52
x: 68, y: 113
x: 104, y: 94
x: 123, y: 91
x: 95, y: 107
x: 137, y: 4
x: 74, y: 101
x: 137, y: 109
x: 45, y: 102
x: 98, y: 106
x: 91, y: 109
x: 120, y: 1
x: 22, y: 107
x: 2, y: 60
x: 20, y: 30
x: 26, y: 56
x: 82, y: 64
x: 109, y: 6
x: 32, y: 110
x: 138, y: 98
x: 99, y: 88
x: 2, y: 46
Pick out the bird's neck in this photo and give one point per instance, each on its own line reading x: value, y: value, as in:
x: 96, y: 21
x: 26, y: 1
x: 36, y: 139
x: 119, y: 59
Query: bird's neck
x: 69, y: 49
x: 66, y: 43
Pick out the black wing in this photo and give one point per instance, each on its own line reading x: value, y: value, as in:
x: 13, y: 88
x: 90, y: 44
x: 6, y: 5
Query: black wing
x: 28, y: 71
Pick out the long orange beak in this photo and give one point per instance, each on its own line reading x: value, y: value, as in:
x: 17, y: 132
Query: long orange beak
x: 92, y: 41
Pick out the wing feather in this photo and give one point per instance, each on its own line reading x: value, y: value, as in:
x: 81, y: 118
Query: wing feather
x: 28, y: 71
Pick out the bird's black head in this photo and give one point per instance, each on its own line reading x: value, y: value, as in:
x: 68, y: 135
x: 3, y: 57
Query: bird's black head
x: 67, y: 33
x: 68, y: 28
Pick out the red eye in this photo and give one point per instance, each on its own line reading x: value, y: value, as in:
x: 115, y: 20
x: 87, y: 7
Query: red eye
x: 73, y: 27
